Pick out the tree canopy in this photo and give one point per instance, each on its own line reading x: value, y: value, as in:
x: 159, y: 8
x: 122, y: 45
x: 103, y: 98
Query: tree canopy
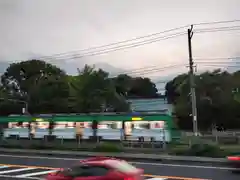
x: 218, y: 99
x: 45, y: 88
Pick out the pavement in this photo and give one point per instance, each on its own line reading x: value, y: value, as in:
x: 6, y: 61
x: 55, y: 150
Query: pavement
x: 17, y: 166
x: 138, y: 156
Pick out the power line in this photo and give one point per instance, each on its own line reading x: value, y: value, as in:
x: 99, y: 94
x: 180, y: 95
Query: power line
x: 119, y: 42
x: 148, y: 70
x: 144, y: 42
x: 219, y: 29
x: 122, y: 47
x: 146, y: 36
x: 223, y: 63
x: 141, y: 43
x: 217, y: 22
x: 217, y: 65
x: 71, y: 53
x: 220, y: 67
x: 133, y: 70
x: 218, y: 58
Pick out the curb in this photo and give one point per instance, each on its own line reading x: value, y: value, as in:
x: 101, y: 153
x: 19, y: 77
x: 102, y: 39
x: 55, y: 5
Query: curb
x: 127, y: 156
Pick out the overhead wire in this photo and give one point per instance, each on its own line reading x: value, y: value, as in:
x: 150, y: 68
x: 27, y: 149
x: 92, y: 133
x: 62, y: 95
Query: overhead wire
x: 119, y: 42
x: 145, y: 42
x: 149, y: 70
x: 218, y: 61
x: 219, y: 67
x: 120, y: 47
x: 136, y: 44
x: 142, y: 37
x: 217, y: 22
x: 99, y: 51
x: 219, y: 29
x: 217, y: 58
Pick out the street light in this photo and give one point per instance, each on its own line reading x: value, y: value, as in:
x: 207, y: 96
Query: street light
x: 25, y: 109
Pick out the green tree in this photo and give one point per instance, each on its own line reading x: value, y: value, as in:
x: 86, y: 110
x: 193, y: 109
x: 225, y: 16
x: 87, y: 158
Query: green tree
x: 50, y: 95
x: 38, y: 83
x: 215, y: 99
x: 143, y: 88
x: 90, y: 89
x: 135, y: 87
x: 8, y: 105
x: 122, y: 84
x: 3, y: 93
x: 94, y: 91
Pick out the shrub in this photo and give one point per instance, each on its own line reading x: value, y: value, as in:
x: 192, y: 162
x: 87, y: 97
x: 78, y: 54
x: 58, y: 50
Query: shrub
x: 204, y: 149
x: 108, y: 147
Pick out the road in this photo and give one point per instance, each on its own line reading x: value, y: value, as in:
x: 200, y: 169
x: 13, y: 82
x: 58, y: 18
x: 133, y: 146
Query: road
x: 34, y: 167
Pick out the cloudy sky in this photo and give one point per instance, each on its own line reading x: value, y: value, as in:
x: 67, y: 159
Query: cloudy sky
x: 36, y: 28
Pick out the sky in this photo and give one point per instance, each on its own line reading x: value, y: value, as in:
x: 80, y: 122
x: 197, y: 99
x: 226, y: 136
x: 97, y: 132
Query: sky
x: 33, y: 29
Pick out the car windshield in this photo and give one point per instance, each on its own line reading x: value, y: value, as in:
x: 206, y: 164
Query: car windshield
x: 122, y: 166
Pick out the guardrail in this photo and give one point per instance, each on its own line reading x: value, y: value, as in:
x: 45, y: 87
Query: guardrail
x: 215, y: 137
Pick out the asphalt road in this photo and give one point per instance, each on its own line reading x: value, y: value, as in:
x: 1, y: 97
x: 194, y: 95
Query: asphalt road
x: 15, y: 165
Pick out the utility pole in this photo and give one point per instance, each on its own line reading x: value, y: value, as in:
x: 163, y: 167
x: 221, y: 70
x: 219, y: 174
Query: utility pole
x: 192, y: 83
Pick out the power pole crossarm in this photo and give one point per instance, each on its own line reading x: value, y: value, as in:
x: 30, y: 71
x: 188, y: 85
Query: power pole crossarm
x: 192, y: 83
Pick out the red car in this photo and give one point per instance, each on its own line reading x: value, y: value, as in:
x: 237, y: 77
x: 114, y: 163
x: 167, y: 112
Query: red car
x: 234, y: 162
x: 99, y: 168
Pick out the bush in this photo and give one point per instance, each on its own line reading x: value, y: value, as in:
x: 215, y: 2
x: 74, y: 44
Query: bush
x: 204, y: 149
x: 108, y: 147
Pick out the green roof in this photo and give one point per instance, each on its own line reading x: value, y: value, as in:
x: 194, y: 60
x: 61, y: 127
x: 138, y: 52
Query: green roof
x: 89, y: 117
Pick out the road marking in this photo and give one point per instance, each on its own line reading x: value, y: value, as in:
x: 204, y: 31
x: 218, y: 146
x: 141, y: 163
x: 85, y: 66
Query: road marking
x: 36, y: 174
x: 172, y: 177
x: 134, y: 162
x: 40, y: 157
x: 24, y: 166
x: 14, y: 177
x: 183, y: 165
x: 51, y: 169
x: 15, y: 170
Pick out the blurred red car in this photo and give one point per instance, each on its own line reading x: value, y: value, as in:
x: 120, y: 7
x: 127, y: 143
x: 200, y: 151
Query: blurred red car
x: 234, y: 162
x: 99, y: 168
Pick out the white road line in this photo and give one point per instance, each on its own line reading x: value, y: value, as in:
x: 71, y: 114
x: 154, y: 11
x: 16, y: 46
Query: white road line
x: 183, y: 165
x: 157, y: 179
x: 41, y: 157
x: 2, y: 167
x: 14, y: 177
x: 134, y: 162
x: 16, y: 170
x: 35, y: 174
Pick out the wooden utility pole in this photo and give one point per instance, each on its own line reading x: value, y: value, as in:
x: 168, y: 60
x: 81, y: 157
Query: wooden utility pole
x: 192, y: 83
